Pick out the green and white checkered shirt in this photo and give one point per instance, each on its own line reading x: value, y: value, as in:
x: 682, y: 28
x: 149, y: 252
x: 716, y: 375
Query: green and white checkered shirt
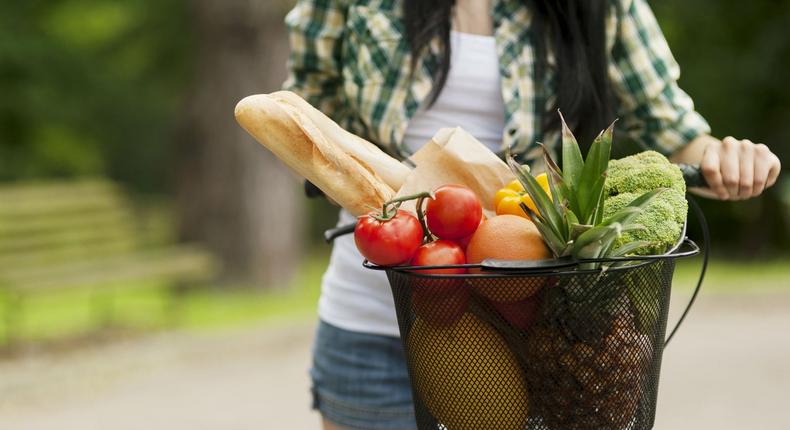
x: 350, y: 59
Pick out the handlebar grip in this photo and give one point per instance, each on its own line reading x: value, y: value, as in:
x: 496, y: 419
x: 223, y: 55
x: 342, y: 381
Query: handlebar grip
x: 336, y: 232
x: 692, y: 174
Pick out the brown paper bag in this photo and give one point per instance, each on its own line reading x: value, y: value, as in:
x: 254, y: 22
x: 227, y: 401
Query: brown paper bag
x: 453, y: 156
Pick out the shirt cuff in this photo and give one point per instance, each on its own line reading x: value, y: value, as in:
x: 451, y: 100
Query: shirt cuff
x: 674, y: 136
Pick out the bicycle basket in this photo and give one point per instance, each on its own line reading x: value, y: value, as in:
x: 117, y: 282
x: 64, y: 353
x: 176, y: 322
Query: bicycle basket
x: 543, y: 347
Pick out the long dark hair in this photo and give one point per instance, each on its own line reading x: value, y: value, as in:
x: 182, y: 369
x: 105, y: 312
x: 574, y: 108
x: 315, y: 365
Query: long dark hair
x: 574, y: 30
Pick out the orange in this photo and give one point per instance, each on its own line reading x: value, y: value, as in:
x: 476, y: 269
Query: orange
x: 508, y: 237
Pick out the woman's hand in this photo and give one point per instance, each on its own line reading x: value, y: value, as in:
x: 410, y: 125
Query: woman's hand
x: 734, y: 169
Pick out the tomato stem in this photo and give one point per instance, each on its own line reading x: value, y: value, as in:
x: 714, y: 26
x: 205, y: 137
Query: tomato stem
x: 390, y: 208
x: 428, y: 237
x: 424, y: 194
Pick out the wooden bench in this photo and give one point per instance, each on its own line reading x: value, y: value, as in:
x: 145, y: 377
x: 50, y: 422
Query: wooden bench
x: 86, y: 233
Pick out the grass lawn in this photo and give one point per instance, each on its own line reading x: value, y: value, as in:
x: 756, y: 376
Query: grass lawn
x: 64, y: 314
x: 732, y: 276
x: 68, y: 313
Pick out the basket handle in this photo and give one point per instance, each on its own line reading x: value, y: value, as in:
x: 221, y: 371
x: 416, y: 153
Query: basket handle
x: 703, y: 223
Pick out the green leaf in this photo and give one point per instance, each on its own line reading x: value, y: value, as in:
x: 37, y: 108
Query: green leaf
x: 636, y: 207
x: 629, y: 247
x: 623, y: 216
x: 572, y: 162
x: 591, y: 200
x: 593, y: 176
x: 626, y: 249
x: 598, y: 215
x: 557, y: 186
x: 646, y: 198
x: 625, y: 228
x: 552, y: 168
x: 542, y: 201
x: 594, y: 242
x: 571, y: 217
x: 555, y: 242
x: 578, y: 229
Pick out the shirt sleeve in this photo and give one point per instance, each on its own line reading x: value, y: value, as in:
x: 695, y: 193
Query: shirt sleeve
x: 316, y: 31
x: 653, y: 109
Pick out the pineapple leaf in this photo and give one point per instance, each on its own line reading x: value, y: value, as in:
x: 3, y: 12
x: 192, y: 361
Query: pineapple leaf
x: 623, y: 216
x: 556, y: 243
x: 546, y: 209
x: 594, y: 242
x: 611, y: 240
x: 636, y: 207
x: 629, y: 247
x: 598, y: 215
x: 571, y: 217
x: 597, y: 242
x: 596, y: 207
x: 593, y: 176
x: 632, y: 227
x: 626, y: 249
x: 646, y: 198
x: 552, y: 167
x: 557, y: 186
x: 577, y: 229
x: 572, y: 162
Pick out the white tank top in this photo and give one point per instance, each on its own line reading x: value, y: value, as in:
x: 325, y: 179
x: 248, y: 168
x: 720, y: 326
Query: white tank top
x: 358, y: 299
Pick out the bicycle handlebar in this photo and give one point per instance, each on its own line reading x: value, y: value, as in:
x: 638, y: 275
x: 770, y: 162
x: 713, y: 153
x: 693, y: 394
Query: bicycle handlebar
x: 692, y: 175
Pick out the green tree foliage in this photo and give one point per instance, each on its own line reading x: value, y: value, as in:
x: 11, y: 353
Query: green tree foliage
x: 91, y: 87
x: 735, y: 56
x: 96, y: 87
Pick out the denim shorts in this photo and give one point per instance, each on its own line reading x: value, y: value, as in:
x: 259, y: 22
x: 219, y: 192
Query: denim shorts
x: 360, y: 380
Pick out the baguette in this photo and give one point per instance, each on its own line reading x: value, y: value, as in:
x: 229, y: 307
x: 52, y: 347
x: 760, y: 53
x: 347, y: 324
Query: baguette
x: 282, y: 124
x: 392, y: 171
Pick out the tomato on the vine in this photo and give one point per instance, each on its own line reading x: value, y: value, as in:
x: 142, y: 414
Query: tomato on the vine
x: 464, y: 241
x: 453, y: 213
x: 388, y: 241
x: 439, y: 253
x: 443, y: 300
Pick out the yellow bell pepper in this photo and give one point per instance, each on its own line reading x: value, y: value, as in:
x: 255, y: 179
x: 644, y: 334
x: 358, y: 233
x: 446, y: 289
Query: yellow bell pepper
x: 508, y: 199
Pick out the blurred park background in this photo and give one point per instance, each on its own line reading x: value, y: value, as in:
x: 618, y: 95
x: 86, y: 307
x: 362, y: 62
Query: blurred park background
x: 133, y: 207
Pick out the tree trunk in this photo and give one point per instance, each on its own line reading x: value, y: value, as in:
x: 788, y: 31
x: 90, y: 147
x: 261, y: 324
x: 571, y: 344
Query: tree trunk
x: 233, y: 195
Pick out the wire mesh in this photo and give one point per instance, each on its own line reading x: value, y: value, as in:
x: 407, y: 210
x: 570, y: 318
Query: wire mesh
x: 562, y: 351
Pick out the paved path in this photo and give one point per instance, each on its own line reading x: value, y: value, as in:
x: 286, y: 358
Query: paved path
x: 729, y: 368
x: 248, y: 379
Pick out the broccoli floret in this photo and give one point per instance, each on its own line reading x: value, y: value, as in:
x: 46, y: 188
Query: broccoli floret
x: 663, y: 218
x: 643, y: 172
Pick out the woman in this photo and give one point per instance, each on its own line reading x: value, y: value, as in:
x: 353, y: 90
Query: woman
x: 395, y: 72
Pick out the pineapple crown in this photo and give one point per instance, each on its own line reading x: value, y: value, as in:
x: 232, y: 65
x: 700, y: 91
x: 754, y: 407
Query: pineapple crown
x: 572, y: 222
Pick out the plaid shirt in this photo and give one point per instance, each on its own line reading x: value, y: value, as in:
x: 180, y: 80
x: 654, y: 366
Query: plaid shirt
x: 350, y: 59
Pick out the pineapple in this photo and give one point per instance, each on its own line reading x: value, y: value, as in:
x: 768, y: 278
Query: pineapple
x: 586, y: 357
x: 587, y: 364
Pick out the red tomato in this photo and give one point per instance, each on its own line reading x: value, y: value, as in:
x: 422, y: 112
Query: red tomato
x: 440, y: 301
x: 454, y: 212
x: 390, y: 242
x: 439, y: 253
x: 464, y: 241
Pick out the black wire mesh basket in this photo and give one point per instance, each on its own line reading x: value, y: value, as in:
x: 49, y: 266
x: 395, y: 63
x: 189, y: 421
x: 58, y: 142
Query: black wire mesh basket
x: 537, y: 345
